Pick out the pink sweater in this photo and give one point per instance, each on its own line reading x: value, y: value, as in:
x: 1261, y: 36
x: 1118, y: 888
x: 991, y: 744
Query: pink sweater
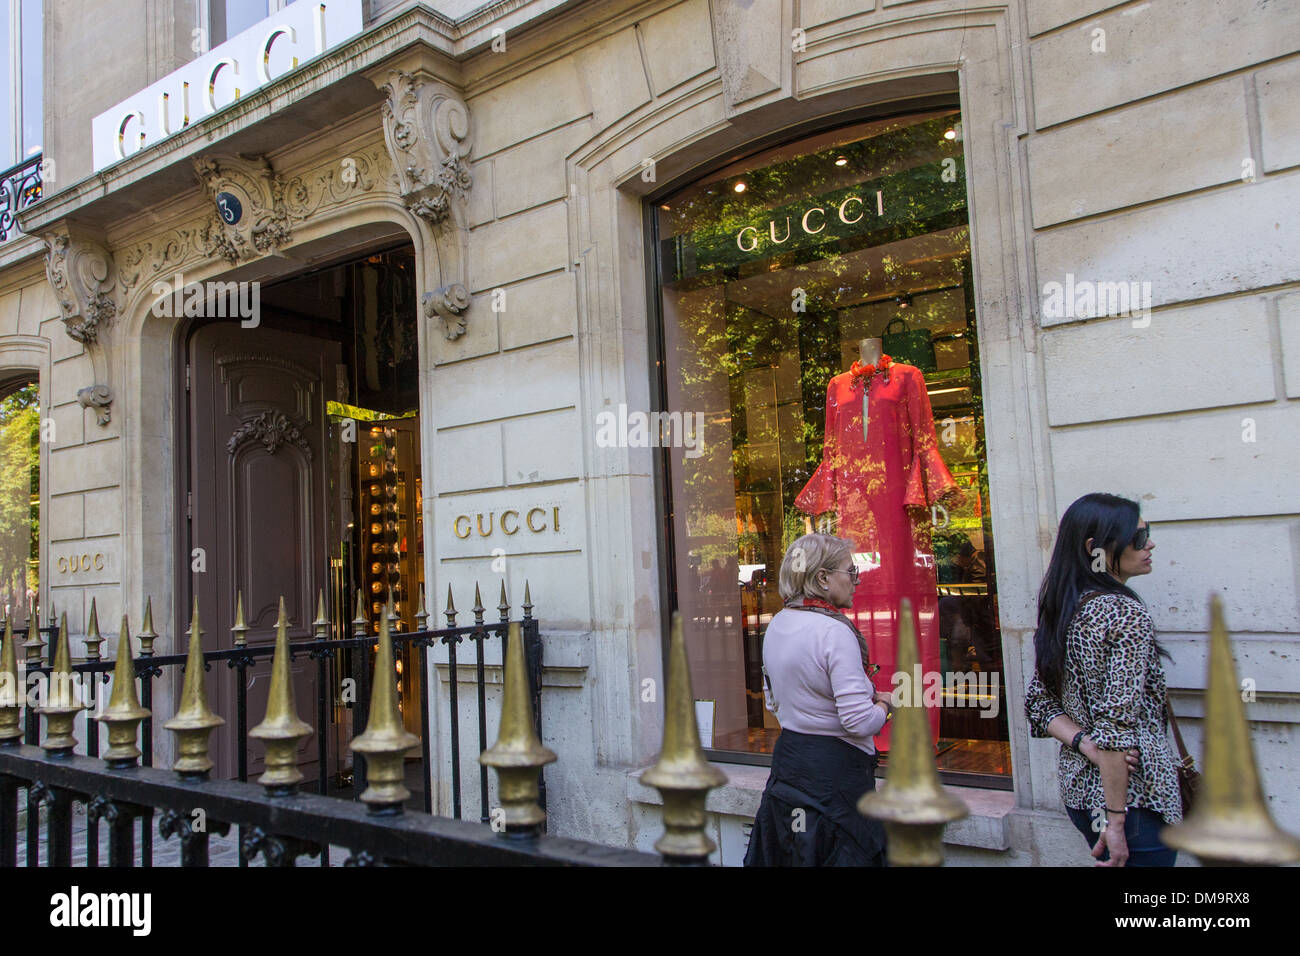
x: 818, y: 684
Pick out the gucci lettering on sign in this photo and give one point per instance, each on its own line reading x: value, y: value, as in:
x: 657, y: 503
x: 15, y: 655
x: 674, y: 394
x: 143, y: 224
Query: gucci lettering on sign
x: 509, y: 522
x: 72, y: 563
x: 259, y: 56
x: 849, y: 211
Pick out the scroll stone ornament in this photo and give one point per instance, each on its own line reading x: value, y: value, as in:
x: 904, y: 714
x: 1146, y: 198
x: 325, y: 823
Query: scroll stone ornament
x: 427, y: 128
x: 80, y: 274
x: 448, y: 304
x: 98, y: 397
x: 83, y: 276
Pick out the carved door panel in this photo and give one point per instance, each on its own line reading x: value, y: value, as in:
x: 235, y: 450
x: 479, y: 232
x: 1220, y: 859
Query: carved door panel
x: 258, y: 466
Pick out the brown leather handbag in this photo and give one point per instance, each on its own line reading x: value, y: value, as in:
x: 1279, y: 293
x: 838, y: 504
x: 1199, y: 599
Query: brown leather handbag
x: 1189, y: 778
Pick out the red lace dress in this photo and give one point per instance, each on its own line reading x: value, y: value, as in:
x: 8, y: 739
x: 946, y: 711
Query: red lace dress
x: 881, y: 485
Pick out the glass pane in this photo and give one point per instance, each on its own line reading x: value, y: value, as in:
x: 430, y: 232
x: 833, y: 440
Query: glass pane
x: 33, y: 51
x: 19, y: 497
x: 232, y: 17
x: 778, y: 274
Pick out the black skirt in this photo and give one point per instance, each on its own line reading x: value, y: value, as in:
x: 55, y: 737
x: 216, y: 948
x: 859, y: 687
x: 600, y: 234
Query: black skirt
x: 809, y: 812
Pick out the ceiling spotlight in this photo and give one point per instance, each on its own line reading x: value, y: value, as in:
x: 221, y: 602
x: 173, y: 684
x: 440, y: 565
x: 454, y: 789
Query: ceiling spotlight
x: 665, y: 206
x: 740, y: 187
x: 950, y: 133
x: 841, y: 160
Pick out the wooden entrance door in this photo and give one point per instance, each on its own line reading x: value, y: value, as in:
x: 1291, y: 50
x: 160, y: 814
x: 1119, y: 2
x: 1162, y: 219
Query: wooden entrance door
x: 259, y: 509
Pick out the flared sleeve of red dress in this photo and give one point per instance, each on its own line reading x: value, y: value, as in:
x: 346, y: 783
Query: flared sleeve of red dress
x: 928, y: 478
x: 818, y: 495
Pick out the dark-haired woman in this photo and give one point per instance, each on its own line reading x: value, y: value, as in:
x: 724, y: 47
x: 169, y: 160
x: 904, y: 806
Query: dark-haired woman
x: 1099, y: 687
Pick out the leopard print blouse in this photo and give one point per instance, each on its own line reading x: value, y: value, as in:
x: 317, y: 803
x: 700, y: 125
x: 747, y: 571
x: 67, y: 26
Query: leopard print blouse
x: 1114, y: 688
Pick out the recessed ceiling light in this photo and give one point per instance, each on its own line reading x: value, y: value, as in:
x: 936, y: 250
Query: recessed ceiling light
x: 740, y: 187
x: 950, y: 133
x: 665, y: 206
x: 841, y: 160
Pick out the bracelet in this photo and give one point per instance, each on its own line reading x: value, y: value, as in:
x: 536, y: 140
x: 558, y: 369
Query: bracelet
x: 1074, y: 744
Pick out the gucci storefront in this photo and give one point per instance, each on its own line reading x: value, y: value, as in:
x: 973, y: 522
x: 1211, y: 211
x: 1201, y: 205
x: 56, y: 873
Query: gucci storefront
x: 780, y: 273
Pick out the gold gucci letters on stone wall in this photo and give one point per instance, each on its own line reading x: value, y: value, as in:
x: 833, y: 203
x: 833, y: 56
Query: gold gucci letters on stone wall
x: 510, y: 521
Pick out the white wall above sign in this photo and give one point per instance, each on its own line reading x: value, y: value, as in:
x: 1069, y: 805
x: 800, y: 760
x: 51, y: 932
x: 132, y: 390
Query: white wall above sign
x: 219, y: 78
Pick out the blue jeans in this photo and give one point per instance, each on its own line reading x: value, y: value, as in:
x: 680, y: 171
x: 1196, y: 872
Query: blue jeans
x: 1141, y: 831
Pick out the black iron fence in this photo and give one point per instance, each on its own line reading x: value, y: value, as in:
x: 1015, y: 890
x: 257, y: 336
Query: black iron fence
x: 20, y: 187
x: 334, y: 657
x: 275, y: 819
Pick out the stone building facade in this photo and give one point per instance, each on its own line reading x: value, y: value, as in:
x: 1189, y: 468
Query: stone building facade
x: 518, y: 147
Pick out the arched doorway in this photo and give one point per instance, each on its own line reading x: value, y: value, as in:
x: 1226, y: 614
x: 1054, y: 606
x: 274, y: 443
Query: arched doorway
x: 301, y: 477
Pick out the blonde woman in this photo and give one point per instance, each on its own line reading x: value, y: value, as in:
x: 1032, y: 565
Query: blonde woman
x: 816, y: 667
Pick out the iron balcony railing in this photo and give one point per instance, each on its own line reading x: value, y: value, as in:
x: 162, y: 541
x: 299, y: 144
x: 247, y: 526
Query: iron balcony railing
x: 20, y: 187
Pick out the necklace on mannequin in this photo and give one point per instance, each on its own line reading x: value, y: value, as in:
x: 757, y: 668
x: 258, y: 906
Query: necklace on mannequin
x: 869, y: 371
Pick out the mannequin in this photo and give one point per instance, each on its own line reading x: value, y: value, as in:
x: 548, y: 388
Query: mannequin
x: 870, y: 350
x: 881, y: 471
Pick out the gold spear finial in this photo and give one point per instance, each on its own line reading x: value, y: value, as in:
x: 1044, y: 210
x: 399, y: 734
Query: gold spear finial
x: 385, y: 741
x: 147, y: 635
x: 360, y: 623
x: 240, y: 628
x: 93, y: 638
x: 321, y: 626
x: 194, y: 720
x: 422, y: 613
x: 1230, y: 822
x: 912, y: 804
x: 124, y: 711
x: 390, y: 611
x: 518, y: 755
x: 61, y: 706
x: 682, y: 775
x: 282, y: 728
x: 34, y: 643
x: 11, y: 695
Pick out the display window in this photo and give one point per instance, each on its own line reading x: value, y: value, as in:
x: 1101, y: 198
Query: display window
x: 785, y: 279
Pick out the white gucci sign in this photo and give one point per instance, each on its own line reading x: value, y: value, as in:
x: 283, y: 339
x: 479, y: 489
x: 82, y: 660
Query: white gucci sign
x: 262, y: 53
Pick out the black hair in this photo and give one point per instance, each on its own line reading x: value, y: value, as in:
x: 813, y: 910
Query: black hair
x: 1111, y: 522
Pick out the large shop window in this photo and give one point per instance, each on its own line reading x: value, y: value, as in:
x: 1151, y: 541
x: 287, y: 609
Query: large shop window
x: 778, y: 273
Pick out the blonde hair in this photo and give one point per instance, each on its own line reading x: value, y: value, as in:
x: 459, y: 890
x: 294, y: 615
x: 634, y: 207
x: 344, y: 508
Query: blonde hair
x: 804, y: 558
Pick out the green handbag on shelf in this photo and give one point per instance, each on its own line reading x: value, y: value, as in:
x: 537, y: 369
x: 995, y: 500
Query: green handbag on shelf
x: 909, y: 346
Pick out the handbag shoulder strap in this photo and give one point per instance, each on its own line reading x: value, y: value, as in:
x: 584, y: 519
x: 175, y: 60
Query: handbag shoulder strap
x: 1173, y: 722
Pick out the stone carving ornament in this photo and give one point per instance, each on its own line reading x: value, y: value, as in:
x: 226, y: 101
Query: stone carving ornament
x: 448, y: 304
x: 80, y: 270
x: 428, y: 132
x: 306, y: 194
x: 427, y: 128
x: 272, y: 429
x: 251, y: 219
x: 81, y: 274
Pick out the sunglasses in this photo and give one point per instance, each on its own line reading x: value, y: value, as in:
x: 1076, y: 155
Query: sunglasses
x: 853, y: 573
x: 1142, y: 538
